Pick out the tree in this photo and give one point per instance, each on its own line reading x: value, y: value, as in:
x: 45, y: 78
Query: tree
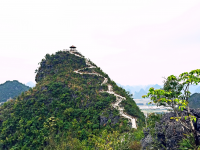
x: 171, y: 96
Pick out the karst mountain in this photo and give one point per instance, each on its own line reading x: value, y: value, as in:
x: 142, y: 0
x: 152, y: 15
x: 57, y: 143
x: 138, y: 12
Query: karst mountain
x: 73, y: 100
x: 11, y: 89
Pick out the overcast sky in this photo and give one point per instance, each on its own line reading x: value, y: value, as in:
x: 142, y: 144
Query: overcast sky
x: 136, y: 42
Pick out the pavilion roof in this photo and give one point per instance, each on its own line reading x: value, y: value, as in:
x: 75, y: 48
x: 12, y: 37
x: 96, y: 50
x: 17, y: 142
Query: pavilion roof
x: 72, y: 46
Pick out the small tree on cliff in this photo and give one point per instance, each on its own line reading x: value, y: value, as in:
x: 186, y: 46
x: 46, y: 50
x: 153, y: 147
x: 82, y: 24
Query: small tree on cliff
x: 171, y: 96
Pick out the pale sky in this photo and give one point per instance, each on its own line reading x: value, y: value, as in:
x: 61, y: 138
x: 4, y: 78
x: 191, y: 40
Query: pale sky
x: 136, y: 42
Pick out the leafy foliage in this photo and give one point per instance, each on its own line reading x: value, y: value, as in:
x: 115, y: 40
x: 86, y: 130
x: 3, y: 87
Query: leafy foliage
x: 188, y: 143
x: 152, y: 119
x: 171, y: 96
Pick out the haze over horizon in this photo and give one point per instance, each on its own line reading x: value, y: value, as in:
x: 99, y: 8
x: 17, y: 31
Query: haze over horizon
x: 134, y: 42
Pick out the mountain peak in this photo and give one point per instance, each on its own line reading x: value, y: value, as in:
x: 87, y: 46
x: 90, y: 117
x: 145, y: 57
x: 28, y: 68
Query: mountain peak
x: 77, y: 95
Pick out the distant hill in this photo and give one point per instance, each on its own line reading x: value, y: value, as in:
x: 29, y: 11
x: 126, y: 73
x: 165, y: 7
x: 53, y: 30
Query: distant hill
x: 194, y: 100
x: 139, y: 90
x: 10, y: 89
x: 132, y: 89
x: 30, y: 84
x: 138, y: 95
x: 156, y: 86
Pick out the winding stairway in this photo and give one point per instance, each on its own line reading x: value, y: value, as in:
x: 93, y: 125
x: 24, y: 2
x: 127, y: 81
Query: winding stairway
x: 119, y: 98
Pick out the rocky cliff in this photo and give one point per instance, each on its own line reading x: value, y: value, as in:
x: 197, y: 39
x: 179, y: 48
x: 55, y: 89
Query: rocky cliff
x: 168, y: 132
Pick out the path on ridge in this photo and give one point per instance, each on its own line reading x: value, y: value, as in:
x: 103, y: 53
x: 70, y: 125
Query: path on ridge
x: 119, y: 98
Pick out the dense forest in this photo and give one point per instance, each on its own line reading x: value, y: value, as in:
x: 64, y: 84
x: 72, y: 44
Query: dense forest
x: 66, y: 110
x: 10, y: 89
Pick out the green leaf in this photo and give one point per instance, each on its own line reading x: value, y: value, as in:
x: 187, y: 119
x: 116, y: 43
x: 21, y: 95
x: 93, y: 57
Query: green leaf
x: 143, y: 96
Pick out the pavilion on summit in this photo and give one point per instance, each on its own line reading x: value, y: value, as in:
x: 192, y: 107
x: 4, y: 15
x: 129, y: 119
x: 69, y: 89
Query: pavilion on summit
x: 72, y: 48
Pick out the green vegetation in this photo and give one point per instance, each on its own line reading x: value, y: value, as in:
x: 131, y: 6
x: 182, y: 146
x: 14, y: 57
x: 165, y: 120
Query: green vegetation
x: 171, y: 96
x: 10, y: 89
x: 63, y: 111
x: 188, y: 142
x: 105, y: 141
x: 152, y: 119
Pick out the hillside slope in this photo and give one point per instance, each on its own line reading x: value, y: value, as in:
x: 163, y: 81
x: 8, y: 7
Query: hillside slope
x: 194, y: 100
x: 73, y: 98
x: 10, y: 89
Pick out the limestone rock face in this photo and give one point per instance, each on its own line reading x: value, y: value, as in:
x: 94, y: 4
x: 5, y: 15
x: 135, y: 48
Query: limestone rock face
x: 104, y: 119
x: 196, y: 112
x: 147, y: 140
x: 170, y: 132
x: 198, y: 124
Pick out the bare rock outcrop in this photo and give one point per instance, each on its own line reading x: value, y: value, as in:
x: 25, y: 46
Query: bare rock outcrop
x: 168, y: 132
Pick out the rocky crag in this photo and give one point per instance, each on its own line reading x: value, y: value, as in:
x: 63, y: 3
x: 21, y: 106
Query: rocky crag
x: 169, y: 132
